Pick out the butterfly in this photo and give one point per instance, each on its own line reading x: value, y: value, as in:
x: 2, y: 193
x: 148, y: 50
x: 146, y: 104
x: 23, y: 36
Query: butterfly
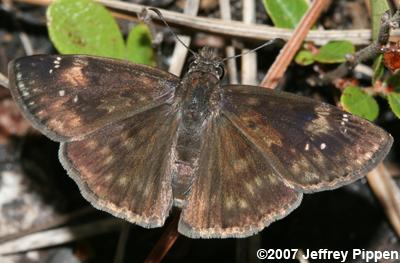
x: 138, y: 140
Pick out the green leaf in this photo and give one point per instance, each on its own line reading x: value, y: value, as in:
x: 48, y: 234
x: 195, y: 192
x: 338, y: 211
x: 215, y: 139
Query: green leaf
x: 393, y: 82
x: 378, y: 8
x: 359, y: 103
x: 394, y: 102
x: 378, y: 68
x: 84, y: 27
x: 334, y: 52
x: 286, y: 13
x: 304, y: 58
x: 138, y: 46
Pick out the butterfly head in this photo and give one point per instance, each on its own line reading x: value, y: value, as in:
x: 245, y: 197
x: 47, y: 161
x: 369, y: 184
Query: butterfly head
x: 208, y: 61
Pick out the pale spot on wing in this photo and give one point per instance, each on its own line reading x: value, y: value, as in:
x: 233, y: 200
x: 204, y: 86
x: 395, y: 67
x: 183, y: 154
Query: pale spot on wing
x: 307, y: 147
x: 108, y: 160
x: 54, y: 123
x: 105, y: 150
x: 125, y: 136
x: 319, y: 125
x: 296, y: 168
x: 250, y: 188
x: 108, y: 177
x: 323, y: 146
x: 229, y: 202
x: 74, y: 76
x: 243, y: 203
x: 240, y: 165
x: 92, y: 144
x: 61, y: 92
x: 253, y: 101
x: 273, y: 179
x: 75, y: 100
x: 123, y: 180
x: 258, y: 180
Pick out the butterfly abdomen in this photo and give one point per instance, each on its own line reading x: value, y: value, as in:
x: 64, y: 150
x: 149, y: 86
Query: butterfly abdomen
x: 195, y: 95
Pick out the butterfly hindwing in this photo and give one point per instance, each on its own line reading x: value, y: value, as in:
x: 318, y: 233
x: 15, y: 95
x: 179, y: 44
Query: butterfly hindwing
x: 314, y: 146
x: 67, y: 97
x: 124, y: 168
x: 236, y: 192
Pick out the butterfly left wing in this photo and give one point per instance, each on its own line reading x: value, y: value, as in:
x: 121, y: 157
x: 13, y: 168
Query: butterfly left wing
x: 67, y: 97
x: 314, y: 146
x: 125, y: 167
x: 236, y: 192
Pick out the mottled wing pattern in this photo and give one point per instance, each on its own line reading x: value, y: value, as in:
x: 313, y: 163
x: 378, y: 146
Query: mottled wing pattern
x: 314, y: 146
x: 67, y: 97
x: 236, y: 192
x: 124, y: 168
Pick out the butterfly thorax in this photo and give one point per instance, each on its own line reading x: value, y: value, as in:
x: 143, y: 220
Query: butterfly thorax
x: 197, y: 97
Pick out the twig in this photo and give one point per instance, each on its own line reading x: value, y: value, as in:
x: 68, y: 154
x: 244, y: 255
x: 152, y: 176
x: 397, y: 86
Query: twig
x: 249, y: 62
x: 233, y: 28
x: 59, y: 236
x: 123, y: 238
x: 367, y: 53
x: 387, y: 193
x: 180, y: 52
x: 166, y: 241
x: 225, y: 8
x: 278, y: 68
x: 54, y: 222
x: 26, y: 43
x: 4, y: 81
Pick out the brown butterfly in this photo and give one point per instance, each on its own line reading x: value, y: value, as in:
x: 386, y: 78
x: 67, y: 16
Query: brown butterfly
x: 138, y: 140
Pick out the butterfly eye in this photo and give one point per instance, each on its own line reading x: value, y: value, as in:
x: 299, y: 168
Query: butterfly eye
x: 220, y: 71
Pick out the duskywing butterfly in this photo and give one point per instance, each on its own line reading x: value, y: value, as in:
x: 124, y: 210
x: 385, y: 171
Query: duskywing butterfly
x: 138, y: 140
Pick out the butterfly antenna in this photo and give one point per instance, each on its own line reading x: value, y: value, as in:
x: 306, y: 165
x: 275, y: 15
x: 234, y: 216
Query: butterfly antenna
x: 270, y: 42
x: 155, y: 10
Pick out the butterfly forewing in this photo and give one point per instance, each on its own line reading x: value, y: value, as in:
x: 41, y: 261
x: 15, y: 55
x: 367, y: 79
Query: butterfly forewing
x: 67, y: 97
x: 236, y: 192
x: 124, y: 168
x: 314, y: 146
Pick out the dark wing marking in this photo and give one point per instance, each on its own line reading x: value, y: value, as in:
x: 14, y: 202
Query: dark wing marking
x: 314, y: 146
x: 236, y: 192
x: 124, y: 168
x: 67, y: 97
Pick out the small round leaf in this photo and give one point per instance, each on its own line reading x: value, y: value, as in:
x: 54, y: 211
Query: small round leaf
x: 359, y: 103
x: 138, y: 46
x: 304, y: 58
x: 394, y: 102
x: 84, y: 27
x: 334, y: 52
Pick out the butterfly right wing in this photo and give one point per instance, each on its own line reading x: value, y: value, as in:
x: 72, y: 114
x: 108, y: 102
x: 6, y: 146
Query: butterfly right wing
x: 313, y: 145
x: 67, y: 97
x: 236, y: 192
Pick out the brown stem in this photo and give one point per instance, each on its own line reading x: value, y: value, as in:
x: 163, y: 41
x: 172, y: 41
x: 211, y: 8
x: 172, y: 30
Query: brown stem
x: 165, y: 243
x: 278, y: 68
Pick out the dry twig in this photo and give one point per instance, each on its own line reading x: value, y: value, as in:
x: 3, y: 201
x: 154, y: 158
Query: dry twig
x: 165, y: 243
x: 59, y: 236
x: 230, y: 50
x: 232, y: 28
x: 180, y: 52
x: 388, y: 194
x: 278, y: 68
x: 249, y: 61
